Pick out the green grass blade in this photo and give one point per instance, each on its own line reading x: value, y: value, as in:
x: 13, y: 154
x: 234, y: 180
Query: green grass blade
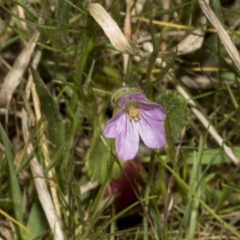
x: 50, y: 110
x: 15, y: 188
x: 209, y: 209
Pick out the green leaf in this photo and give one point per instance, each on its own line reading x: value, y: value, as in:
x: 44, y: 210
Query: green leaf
x: 15, y: 188
x: 98, y: 160
x: 37, y: 222
x: 50, y: 110
x: 177, y: 112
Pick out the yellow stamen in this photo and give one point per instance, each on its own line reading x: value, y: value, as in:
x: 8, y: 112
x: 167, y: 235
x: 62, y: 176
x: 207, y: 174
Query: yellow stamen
x: 134, y: 114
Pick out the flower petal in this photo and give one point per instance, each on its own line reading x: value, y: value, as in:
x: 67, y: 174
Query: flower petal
x: 114, y: 126
x: 153, y: 110
x: 151, y: 131
x: 128, y: 140
x: 133, y: 96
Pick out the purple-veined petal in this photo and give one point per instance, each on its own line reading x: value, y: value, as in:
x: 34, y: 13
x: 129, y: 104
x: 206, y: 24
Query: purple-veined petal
x: 133, y: 96
x: 128, y: 140
x: 115, y: 125
x: 153, y: 110
x: 151, y: 131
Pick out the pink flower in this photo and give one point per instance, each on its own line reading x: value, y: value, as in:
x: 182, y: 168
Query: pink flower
x: 136, y: 117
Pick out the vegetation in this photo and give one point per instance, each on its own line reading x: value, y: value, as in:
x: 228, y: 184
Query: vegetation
x: 60, y: 63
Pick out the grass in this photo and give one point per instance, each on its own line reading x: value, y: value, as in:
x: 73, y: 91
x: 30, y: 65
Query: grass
x: 60, y: 66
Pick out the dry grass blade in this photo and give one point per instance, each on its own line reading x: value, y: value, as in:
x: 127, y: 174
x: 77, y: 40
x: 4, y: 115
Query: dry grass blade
x: 45, y: 199
x: 198, y: 81
x: 51, y: 173
x: 35, y: 98
x: 127, y: 31
x: 208, y: 126
x: 41, y: 186
x: 14, y: 76
x: 193, y: 41
x: 88, y: 186
x: 51, y: 208
x: 114, y: 34
x: 226, y: 40
x: 148, y: 47
x: 110, y: 28
x: 5, y: 230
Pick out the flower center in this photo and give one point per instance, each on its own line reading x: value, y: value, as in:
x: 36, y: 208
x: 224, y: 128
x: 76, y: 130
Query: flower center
x: 132, y: 109
x: 134, y: 115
